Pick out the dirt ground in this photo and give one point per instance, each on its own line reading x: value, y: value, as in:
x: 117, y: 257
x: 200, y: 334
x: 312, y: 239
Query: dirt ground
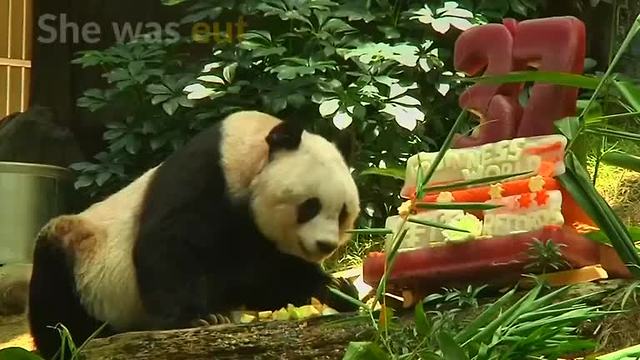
x: 14, y: 332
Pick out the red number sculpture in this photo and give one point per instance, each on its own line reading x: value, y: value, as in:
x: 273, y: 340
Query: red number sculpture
x: 549, y: 44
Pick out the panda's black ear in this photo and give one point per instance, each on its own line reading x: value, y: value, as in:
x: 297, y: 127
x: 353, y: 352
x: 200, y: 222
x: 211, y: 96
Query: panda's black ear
x: 346, y: 144
x: 284, y: 136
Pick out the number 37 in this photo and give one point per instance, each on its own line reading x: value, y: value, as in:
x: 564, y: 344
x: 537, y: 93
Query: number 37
x: 547, y: 44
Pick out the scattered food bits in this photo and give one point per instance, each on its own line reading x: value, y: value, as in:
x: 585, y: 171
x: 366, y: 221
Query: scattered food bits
x: 328, y: 311
x: 247, y: 318
x: 265, y: 315
x: 281, y: 314
x: 315, y: 309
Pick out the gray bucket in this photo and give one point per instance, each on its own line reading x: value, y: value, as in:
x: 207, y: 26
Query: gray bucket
x: 30, y: 195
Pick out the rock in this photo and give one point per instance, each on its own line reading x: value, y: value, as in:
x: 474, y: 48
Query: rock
x: 14, y: 288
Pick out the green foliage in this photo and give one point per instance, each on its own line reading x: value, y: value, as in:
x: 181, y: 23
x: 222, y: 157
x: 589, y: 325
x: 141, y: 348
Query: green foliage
x: 145, y: 90
x: 16, y: 353
x: 546, y: 256
x: 459, y: 298
x: 622, y: 159
x: 380, y: 70
x: 537, y: 326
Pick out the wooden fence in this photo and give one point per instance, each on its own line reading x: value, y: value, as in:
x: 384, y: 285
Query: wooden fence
x: 16, y: 21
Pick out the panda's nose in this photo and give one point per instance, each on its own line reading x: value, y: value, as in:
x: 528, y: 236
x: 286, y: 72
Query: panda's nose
x: 326, y: 246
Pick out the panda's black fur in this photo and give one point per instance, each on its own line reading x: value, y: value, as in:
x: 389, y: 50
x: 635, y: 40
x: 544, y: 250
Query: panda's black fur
x: 196, y: 253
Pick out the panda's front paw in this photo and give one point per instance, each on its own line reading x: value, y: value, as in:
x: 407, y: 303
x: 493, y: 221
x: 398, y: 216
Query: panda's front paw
x: 211, y: 320
x: 337, y: 302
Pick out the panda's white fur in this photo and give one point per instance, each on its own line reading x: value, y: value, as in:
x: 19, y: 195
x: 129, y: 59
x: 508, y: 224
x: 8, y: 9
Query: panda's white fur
x: 98, y: 243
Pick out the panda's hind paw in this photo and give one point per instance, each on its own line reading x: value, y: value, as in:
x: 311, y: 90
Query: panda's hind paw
x: 211, y: 320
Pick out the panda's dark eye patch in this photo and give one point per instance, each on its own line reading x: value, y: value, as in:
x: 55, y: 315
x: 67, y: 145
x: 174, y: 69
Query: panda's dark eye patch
x: 308, y: 210
x: 343, y: 214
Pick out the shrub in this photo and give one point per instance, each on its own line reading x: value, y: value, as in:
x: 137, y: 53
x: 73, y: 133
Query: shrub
x: 379, y: 70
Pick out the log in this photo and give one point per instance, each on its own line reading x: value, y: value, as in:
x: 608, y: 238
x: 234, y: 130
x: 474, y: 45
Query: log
x: 321, y: 338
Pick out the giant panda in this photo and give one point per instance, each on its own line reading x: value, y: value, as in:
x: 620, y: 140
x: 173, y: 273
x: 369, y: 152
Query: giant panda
x: 241, y: 217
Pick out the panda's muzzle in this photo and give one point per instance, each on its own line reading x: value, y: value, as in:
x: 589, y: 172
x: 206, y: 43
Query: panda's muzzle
x: 326, y: 247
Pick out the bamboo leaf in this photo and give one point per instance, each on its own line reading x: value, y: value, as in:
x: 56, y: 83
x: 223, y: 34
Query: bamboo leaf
x: 622, y: 159
x: 485, y: 318
x: 599, y: 119
x: 423, y: 325
x: 629, y: 92
x: 420, y: 186
x: 371, y: 231
x: 548, y: 77
x: 395, y: 173
x: 458, y: 205
x: 576, y: 181
x: 450, y: 349
x: 623, y: 354
x: 613, y: 133
x: 389, y: 261
x: 569, y: 127
x: 435, y: 224
x: 635, y: 27
x: 600, y: 236
x: 475, y: 182
x: 364, y: 351
x: 348, y: 298
x: 514, y: 311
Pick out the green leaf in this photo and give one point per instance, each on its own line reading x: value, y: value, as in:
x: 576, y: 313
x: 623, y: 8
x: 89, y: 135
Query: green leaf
x: 172, y: 2
x: 364, y: 351
x: 423, y: 325
x: 16, y: 353
x: 171, y: 106
x: 458, y: 205
x: 329, y: 107
x: 136, y: 67
x: 160, y: 98
x: 569, y: 127
x: 102, y: 178
x: 613, y: 133
x: 485, y: 318
x: 337, y: 26
x: 601, y: 237
x: 83, y: 181
x: 389, y: 261
x: 622, y: 159
x: 395, y: 173
x: 348, y: 298
x: 212, y: 79
x: 599, y: 119
x: 518, y: 7
x: 505, y: 317
x: 628, y: 353
x: 449, y: 348
x: 547, y: 77
x: 629, y: 92
x: 631, y: 34
x: 158, y: 89
x: 229, y: 72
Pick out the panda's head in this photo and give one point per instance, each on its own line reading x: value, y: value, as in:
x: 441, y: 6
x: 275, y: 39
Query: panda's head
x: 304, y: 199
